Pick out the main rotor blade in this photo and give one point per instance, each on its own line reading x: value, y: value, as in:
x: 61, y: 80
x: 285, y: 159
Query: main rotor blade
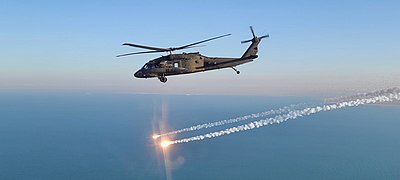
x: 143, y: 52
x: 195, y: 46
x: 145, y: 47
x: 187, y: 46
x: 252, y: 31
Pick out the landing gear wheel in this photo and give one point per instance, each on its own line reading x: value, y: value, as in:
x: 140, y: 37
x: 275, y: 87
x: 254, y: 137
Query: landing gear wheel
x: 237, y: 72
x: 162, y: 79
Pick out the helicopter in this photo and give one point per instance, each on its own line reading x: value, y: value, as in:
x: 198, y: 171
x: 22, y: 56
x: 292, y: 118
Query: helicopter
x: 185, y: 63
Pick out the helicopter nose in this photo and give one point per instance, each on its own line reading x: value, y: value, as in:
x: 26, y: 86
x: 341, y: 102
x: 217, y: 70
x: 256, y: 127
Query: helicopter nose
x: 138, y: 74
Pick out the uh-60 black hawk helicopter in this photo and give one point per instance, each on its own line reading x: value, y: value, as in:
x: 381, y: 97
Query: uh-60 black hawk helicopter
x: 175, y: 64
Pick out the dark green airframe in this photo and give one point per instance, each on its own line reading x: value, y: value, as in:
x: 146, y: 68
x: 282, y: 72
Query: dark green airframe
x: 175, y: 64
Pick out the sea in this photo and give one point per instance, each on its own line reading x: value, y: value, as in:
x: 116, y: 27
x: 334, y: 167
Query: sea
x: 64, y: 135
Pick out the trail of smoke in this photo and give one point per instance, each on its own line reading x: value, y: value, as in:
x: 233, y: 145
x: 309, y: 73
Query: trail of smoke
x: 385, y: 96
x: 229, y: 121
x: 361, y: 95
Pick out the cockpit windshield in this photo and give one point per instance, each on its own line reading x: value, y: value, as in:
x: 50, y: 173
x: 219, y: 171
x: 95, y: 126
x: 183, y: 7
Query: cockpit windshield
x: 148, y: 66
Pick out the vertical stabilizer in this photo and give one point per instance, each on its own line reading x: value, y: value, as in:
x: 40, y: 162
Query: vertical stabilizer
x: 252, y: 51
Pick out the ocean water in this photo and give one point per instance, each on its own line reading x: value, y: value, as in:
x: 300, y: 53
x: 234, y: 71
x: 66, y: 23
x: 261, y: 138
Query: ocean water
x: 77, y: 135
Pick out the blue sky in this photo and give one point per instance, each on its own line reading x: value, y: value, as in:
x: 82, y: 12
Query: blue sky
x: 315, y: 48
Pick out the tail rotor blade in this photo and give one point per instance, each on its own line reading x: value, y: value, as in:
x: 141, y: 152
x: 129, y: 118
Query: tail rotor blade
x: 252, y: 31
x: 265, y: 36
x: 246, y: 41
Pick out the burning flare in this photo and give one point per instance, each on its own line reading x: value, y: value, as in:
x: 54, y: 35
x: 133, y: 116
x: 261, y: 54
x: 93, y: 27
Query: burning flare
x: 155, y: 136
x: 165, y: 144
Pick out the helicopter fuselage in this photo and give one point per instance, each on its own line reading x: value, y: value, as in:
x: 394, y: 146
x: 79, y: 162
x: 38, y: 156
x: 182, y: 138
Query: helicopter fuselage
x: 175, y: 64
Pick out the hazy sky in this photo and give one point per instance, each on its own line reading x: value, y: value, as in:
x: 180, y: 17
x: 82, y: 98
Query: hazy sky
x: 315, y: 47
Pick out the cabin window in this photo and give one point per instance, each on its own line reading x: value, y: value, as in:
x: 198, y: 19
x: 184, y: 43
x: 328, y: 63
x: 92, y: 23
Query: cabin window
x: 176, y: 64
x: 196, y: 62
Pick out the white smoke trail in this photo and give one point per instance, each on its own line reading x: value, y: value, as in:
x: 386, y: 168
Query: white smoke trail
x: 229, y: 121
x: 361, y: 95
x: 384, y: 96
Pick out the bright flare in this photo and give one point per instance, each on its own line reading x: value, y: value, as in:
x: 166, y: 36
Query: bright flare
x: 155, y: 136
x: 165, y: 143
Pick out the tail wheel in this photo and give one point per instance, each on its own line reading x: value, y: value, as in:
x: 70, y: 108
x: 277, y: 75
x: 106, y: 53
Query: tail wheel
x: 237, y: 71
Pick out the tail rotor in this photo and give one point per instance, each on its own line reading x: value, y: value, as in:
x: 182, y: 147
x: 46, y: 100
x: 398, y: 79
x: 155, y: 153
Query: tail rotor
x: 255, y: 38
